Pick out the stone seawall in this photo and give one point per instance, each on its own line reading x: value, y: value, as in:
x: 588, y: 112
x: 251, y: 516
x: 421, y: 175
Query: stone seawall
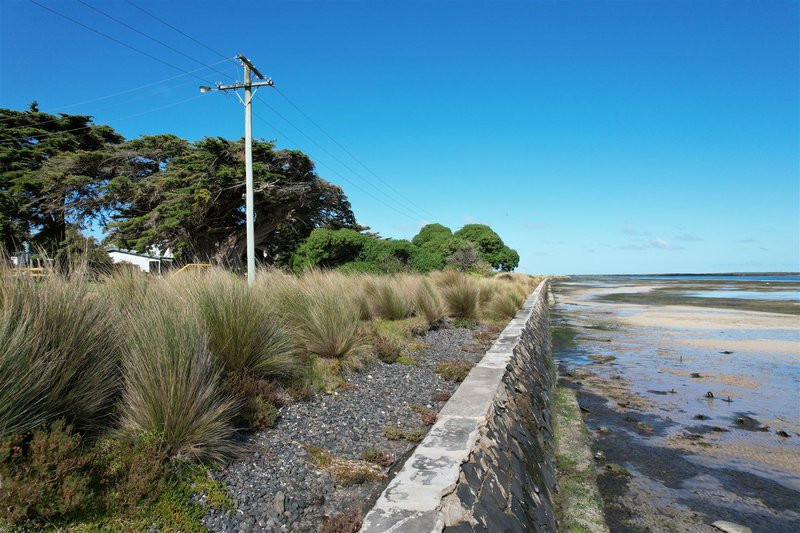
x: 486, y: 464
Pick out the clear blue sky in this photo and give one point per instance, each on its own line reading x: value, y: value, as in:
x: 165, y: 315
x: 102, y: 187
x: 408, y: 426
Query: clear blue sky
x: 595, y: 137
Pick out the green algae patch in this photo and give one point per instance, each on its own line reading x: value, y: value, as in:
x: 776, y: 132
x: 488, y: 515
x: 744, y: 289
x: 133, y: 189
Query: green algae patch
x: 578, y: 504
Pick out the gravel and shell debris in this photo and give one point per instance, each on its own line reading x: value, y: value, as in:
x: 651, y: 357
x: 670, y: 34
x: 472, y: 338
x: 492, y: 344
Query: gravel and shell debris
x: 276, y: 486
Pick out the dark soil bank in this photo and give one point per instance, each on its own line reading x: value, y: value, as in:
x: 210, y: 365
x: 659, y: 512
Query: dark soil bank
x: 277, y: 487
x: 649, y: 474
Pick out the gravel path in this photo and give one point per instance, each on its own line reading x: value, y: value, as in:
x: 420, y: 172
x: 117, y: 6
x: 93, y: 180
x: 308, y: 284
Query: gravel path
x: 277, y: 488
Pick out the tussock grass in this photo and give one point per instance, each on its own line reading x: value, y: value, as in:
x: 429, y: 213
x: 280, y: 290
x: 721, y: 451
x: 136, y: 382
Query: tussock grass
x: 323, y: 315
x: 124, y: 289
x: 505, y: 303
x: 59, y: 354
x: 245, y: 334
x: 172, y: 386
x: 429, y: 303
x: 392, y: 298
x: 462, y: 298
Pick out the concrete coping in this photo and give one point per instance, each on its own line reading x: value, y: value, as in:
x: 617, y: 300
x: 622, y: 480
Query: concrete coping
x: 411, y: 501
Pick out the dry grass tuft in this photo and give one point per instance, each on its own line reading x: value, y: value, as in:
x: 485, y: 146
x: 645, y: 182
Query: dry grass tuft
x: 345, y: 471
x: 454, y: 370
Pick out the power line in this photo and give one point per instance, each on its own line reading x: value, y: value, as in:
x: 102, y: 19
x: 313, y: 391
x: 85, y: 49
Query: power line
x: 377, y: 199
x: 115, y: 104
x: 407, y: 200
x: 165, y: 23
x: 146, y: 85
x: 210, y: 83
x: 45, y: 135
x: 350, y: 153
x: 167, y: 63
x: 132, y: 28
x: 345, y: 165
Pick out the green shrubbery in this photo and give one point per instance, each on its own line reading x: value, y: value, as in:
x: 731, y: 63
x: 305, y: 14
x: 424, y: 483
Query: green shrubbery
x: 474, y: 248
x: 111, y: 390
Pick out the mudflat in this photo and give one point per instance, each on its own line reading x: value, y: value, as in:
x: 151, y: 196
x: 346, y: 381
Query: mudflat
x: 691, y: 393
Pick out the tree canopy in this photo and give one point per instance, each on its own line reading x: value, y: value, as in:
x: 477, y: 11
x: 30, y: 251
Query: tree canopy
x: 54, y: 171
x: 473, y: 248
x: 188, y: 197
x: 490, y: 246
x: 62, y: 172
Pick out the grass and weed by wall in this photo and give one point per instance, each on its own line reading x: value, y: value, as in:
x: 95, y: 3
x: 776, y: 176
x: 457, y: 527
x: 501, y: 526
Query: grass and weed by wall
x: 116, y: 394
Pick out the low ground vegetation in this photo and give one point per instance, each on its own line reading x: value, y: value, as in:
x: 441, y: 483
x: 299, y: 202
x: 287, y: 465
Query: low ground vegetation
x: 117, y: 393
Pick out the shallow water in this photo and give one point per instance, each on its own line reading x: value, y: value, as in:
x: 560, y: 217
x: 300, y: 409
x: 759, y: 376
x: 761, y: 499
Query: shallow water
x: 750, y: 295
x: 662, y: 374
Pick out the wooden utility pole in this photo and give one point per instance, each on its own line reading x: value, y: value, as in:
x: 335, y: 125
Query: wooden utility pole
x: 248, y: 153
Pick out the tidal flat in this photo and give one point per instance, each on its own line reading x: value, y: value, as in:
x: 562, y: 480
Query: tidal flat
x: 690, y: 390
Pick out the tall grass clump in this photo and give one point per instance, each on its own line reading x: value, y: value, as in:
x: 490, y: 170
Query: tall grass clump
x: 245, y: 334
x: 462, y: 296
x: 391, y: 298
x: 124, y: 287
x: 505, y: 303
x: 429, y: 302
x: 172, y: 388
x: 323, y: 313
x: 58, y: 354
x: 359, y: 284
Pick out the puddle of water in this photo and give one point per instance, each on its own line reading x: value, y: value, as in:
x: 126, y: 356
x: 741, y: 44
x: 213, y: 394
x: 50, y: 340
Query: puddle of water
x: 748, y: 295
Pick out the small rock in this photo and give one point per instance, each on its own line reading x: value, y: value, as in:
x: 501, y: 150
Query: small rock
x: 730, y: 527
x: 279, y: 502
x: 600, y: 456
x: 726, y: 352
x: 783, y: 434
x: 696, y: 375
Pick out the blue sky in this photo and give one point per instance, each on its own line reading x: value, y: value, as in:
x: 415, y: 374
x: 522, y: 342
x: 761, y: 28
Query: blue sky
x: 594, y: 137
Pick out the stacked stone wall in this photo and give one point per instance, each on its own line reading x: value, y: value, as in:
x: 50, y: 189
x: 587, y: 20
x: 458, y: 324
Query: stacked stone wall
x: 486, y: 465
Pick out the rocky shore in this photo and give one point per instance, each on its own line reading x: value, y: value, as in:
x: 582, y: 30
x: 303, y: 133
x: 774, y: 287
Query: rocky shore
x: 284, y: 481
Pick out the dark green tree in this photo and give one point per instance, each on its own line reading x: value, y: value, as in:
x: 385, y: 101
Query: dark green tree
x: 360, y: 252
x: 432, y: 233
x: 490, y: 246
x: 54, y: 170
x: 188, y: 197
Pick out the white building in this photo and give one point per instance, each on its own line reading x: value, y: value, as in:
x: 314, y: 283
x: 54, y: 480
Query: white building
x: 147, y: 263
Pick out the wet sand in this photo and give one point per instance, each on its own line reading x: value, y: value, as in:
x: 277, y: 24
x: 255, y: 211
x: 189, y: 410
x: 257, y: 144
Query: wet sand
x: 670, y: 458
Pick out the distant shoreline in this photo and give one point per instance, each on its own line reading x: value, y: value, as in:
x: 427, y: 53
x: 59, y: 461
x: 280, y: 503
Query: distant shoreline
x: 694, y: 274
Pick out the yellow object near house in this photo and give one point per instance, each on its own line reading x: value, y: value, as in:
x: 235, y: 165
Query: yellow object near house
x: 193, y: 266
x: 34, y: 272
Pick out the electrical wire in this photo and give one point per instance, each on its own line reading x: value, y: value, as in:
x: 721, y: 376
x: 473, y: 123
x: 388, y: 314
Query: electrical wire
x: 140, y: 87
x: 110, y: 106
x: 45, y: 135
x: 345, y: 165
x: 342, y: 147
x: 167, y: 24
x: 348, y: 152
x: 356, y: 185
x: 146, y: 54
x: 154, y: 39
x: 154, y: 58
